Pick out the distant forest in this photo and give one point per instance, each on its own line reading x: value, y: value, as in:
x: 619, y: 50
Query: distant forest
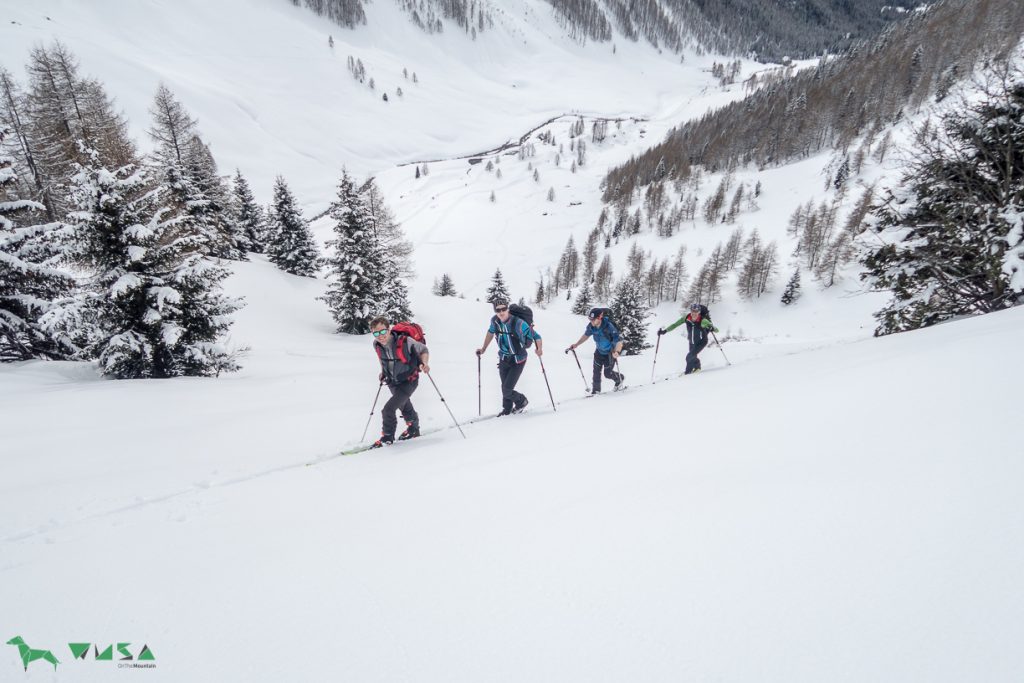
x: 830, y: 106
x: 768, y: 30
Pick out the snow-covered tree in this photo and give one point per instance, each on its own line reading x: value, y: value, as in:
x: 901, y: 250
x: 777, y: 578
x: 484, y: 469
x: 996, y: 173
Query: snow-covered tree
x: 156, y: 300
x: 792, y: 291
x: 953, y: 241
x: 355, y: 265
x: 445, y: 286
x: 31, y: 279
x: 248, y: 216
x: 188, y: 169
x: 497, y: 291
x: 394, y: 253
x: 290, y: 246
x: 630, y: 312
x: 584, y: 299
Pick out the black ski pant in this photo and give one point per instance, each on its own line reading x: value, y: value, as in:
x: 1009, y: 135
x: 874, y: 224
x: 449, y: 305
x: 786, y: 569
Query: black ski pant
x: 692, y: 362
x: 400, y: 395
x: 509, y: 371
x: 605, y: 362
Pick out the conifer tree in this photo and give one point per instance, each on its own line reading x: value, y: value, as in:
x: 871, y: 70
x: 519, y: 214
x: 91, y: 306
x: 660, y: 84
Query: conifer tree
x: 291, y: 247
x: 953, y: 242
x: 630, y: 312
x: 498, y: 291
x: 584, y: 299
x: 792, y: 291
x: 248, y: 216
x: 445, y: 286
x: 355, y: 265
x: 157, y: 302
x: 394, y: 253
x: 31, y: 280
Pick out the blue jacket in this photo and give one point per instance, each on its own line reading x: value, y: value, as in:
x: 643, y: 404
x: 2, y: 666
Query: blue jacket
x: 503, y: 333
x: 606, y: 336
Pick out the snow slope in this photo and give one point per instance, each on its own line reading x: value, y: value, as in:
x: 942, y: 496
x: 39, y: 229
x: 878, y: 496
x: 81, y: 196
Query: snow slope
x: 846, y: 514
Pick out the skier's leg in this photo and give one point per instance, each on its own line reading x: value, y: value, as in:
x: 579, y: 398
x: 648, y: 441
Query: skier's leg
x: 598, y: 364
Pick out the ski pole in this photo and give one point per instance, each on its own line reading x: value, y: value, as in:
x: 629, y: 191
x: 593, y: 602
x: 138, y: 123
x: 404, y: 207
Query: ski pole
x: 656, y: 347
x: 618, y: 369
x: 545, y: 372
x: 585, y: 385
x: 479, y: 390
x: 446, y: 405
x: 720, y: 347
x: 375, y: 398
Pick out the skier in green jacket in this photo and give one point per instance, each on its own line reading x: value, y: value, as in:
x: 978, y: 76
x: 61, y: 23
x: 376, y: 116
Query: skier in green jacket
x: 698, y: 327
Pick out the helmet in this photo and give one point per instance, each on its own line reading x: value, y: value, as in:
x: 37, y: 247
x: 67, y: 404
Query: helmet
x: 695, y: 307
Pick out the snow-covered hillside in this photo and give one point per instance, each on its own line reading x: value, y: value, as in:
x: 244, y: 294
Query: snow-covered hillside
x: 831, y: 507
x: 847, y: 514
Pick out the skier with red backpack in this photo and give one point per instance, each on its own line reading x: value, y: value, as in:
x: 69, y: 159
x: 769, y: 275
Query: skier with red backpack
x: 403, y: 356
x: 513, y: 326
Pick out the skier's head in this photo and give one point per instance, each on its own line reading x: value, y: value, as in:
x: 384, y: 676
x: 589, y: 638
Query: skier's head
x: 695, y: 307
x: 596, y: 315
x: 501, y: 309
x: 380, y: 328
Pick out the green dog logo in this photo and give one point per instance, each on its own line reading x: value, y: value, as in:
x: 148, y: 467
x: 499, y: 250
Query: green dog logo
x: 30, y: 655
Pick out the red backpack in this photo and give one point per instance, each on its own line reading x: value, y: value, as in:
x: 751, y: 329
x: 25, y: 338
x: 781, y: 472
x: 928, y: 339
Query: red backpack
x: 406, y: 329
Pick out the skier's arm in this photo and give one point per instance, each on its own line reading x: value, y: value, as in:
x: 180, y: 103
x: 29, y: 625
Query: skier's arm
x: 675, y: 324
x: 487, y: 342
x: 578, y: 343
x: 425, y: 362
x: 535, y: 335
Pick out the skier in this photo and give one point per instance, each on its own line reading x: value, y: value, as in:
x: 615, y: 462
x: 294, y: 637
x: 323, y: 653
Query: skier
x: 608, y: 344
x: 698, y: 326
x: 402, y: 359
x: 513, y: 333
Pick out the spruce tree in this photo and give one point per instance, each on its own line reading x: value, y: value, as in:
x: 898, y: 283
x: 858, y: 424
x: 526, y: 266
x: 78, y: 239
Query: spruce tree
x: 31, y: 279
x: 792, y: 291
x: 355, y: 264
x: 445, y: 286
x: 190, y: 172
x: 630, y: 313
x: 583, y: 300
x: 497, y: 291
x: 952, y: 231
x: 291, y: 247
x: 248, y: 216
x: 156, y: 301
x: 394, y: 254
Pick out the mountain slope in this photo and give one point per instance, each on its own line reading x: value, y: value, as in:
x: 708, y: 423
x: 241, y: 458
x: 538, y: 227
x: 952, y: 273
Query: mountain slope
x: 713, y: 527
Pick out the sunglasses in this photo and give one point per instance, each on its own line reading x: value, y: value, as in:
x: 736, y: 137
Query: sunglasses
x: 381, y: 333
x: 501, y: 309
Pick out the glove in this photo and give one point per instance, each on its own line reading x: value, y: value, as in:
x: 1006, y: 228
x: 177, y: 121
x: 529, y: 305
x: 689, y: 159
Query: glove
x: 706, y: 324
x: 661, y: 331
x: 569, y: 349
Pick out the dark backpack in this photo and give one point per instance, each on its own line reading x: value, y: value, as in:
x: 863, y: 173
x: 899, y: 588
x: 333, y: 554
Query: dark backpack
x: 518, y: 340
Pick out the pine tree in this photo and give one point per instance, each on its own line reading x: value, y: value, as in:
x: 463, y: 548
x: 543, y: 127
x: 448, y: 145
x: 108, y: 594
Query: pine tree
x: 31, y: 280
x: 498, y: 291
x: 630, y: 313
x: 952, y: 230
x: 445, y: 286
x: 189, y: 171
x: 291, y: 247
x: 248, y: 216
x: 157, y: 302
x: 584, y: 299
x: 394, y: 253
x: 792, y: 291
x: 353, y: 294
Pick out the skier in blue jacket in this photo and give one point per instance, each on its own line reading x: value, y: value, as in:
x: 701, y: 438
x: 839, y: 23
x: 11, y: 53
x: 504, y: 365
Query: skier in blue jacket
x: 609, y: 345
x: 512, y: 333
